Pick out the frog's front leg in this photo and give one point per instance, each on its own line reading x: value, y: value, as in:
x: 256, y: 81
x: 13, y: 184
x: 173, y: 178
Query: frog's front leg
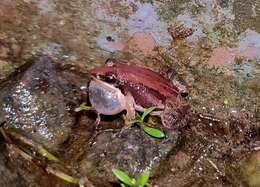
x: 169, y: 73
x: 130, y: 106
x: 97, y: 122
x: 176, y: 113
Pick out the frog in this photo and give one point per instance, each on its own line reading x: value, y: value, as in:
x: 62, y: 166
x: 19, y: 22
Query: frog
x: 116, y: 86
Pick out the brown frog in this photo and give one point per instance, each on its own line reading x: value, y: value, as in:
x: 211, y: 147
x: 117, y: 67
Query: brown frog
x: 116, y: 86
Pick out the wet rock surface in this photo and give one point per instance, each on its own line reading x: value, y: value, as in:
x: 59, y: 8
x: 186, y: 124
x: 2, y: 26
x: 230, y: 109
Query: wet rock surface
x: 9, y: 177
x: 213, y: 44
x: 132, y: 150
x: 37, y: 102
x: 22, y: 175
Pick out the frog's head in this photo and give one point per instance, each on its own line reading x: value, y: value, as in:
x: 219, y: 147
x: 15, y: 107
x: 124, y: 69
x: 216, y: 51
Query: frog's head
x: 107, y: 72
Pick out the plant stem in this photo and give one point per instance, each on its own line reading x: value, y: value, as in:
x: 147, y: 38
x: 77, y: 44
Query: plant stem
x: 40, y: 163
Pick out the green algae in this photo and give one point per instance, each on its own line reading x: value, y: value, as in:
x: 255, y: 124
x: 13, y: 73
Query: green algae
x: 168, y: 11
x: 247, y: 15
x: 225, y: 3
x: 6, y: 69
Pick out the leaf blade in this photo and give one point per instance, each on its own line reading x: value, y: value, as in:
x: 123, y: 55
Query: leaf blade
x: 154, y: 132
x: 123, y: 177
x: 142, y: 178
x: 146, y: 112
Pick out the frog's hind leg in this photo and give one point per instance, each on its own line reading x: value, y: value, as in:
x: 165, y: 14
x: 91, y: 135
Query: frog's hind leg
x: 169, y: 73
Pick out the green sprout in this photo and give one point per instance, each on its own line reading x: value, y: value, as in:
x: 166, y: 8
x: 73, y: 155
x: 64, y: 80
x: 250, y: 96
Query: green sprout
x: 38, y: 147
x: 83, y: 107
x: 140, y: 181
x: 140, y: 120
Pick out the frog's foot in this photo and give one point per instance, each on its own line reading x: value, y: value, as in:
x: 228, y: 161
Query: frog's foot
x: 92, y: 140
x: 97, y: 122
x: 176, y: 114
x: 124, y: 128
x: 99, y: 131
x: 169, y: 73
x: 96, y: 131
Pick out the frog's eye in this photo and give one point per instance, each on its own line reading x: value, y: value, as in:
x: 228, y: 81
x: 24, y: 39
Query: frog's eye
x: 98, y: 76
x: 110, y: 62
x: 184, y: 94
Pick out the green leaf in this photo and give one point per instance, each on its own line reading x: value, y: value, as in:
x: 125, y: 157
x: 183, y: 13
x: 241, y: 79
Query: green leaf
x: 153, y: 132
x: 142, y: 178
x: 146, y: 112
x: 138, y: 117
x: 123, y: 177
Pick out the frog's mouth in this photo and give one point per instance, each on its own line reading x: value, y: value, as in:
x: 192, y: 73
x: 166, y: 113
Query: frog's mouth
x: 108, y: 78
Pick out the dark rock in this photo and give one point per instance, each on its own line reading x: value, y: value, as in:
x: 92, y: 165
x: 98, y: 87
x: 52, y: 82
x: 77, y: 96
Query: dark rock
x: 7, y: 176
x: 37, y: 103
x: 133, y: 151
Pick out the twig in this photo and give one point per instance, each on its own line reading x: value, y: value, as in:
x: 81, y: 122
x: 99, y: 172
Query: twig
x: 40, y: 163
x: 214, y: 166
x: 39, y: 148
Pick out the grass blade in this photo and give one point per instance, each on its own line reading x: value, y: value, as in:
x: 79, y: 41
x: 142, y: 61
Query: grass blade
x: 83, y: 107
x: 62, y: 176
